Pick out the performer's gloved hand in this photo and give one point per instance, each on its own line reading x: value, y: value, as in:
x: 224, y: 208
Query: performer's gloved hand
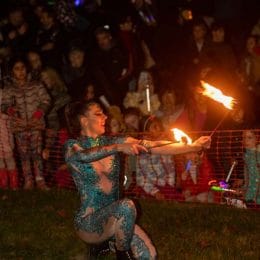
x: 38, y: 114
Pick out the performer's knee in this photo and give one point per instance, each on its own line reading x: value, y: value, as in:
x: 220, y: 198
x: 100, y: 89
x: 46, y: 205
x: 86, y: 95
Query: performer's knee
x: 127, y: 208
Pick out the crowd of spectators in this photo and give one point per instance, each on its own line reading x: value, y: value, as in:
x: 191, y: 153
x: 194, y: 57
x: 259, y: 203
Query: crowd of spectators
x: 52, y: 53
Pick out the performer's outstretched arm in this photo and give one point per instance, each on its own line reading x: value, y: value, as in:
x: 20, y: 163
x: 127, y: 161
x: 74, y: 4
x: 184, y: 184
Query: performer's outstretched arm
x: 74, y: 152
x: 173, y: 148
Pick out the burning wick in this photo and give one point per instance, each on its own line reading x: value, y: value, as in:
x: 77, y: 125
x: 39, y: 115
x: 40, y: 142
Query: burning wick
x: 181, y: 137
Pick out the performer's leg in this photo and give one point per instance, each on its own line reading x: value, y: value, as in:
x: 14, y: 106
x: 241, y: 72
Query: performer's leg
x: 115, y: 221
x: 141, y: 245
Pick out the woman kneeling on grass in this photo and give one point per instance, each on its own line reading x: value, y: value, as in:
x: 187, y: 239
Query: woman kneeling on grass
x: 94, y: 161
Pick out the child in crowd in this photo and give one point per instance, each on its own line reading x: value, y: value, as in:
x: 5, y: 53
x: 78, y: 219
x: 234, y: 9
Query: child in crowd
x: 35, y: 64
x: 155, y: 174
x: 139, y: 98
x: 196, y: 171
x: 89, y: 92
x: 8, y: 171
x: 115, y: 121
x: 251, y: 170
x: 132, y: 116
x: 26, y: 102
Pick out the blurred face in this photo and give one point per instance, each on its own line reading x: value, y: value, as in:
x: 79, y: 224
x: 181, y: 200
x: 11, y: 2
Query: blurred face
x: 114, y: 126
x: 250, y: 44
x: 19, y: 71
x: 104, y: 40
x: 93, y: 123
x: 16, y: 18
x: 218, y: 35
x: 145, y: 79
x: 155, y: 128
x: 90, y: 94
x: 199, y: 33
x: 127, y: 25
x: 249, y: 139
x: 46, y: 20
x: 46, y: 79
x: 34, y: 60
x: 132, y: 121
x: 168, y: 101
x: 39, y: 11
x: 76, y: 58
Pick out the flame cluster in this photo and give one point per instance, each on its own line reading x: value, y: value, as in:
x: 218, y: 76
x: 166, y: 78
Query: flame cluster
x: 180, y: 136
x: 217, y: 95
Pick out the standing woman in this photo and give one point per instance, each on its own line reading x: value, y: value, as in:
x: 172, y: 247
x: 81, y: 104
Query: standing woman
x: 26, y: 102
x: 94, y: 161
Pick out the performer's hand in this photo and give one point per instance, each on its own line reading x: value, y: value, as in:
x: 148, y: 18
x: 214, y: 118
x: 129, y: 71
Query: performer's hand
x: 131, y: 148
x: 203, y: 142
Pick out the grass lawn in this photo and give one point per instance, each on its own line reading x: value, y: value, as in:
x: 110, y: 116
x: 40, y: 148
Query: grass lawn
x: 39, y: 225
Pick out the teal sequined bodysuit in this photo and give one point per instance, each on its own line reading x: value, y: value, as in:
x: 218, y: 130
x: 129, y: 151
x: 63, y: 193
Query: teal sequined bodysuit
x: 95, y: 167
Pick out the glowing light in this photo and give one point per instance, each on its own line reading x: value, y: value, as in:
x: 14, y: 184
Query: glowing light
x: 180, y: 136
x: 219, y: 189
x: 217, y: 95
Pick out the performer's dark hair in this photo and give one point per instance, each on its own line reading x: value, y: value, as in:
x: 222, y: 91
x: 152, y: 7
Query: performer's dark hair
x: 73, y: 112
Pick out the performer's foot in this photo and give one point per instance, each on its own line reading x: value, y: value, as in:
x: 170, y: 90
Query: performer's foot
x: 124, y: 255
x: 97, y: 250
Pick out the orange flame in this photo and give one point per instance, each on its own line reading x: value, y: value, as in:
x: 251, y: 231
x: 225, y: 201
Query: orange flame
x: 180, y: 135
x: 217, y: 95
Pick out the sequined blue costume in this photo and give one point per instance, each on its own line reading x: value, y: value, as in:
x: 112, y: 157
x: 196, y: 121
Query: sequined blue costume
x: 95, y: 167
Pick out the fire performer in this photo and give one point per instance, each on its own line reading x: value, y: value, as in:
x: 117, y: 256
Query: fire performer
x: 94, y: 161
